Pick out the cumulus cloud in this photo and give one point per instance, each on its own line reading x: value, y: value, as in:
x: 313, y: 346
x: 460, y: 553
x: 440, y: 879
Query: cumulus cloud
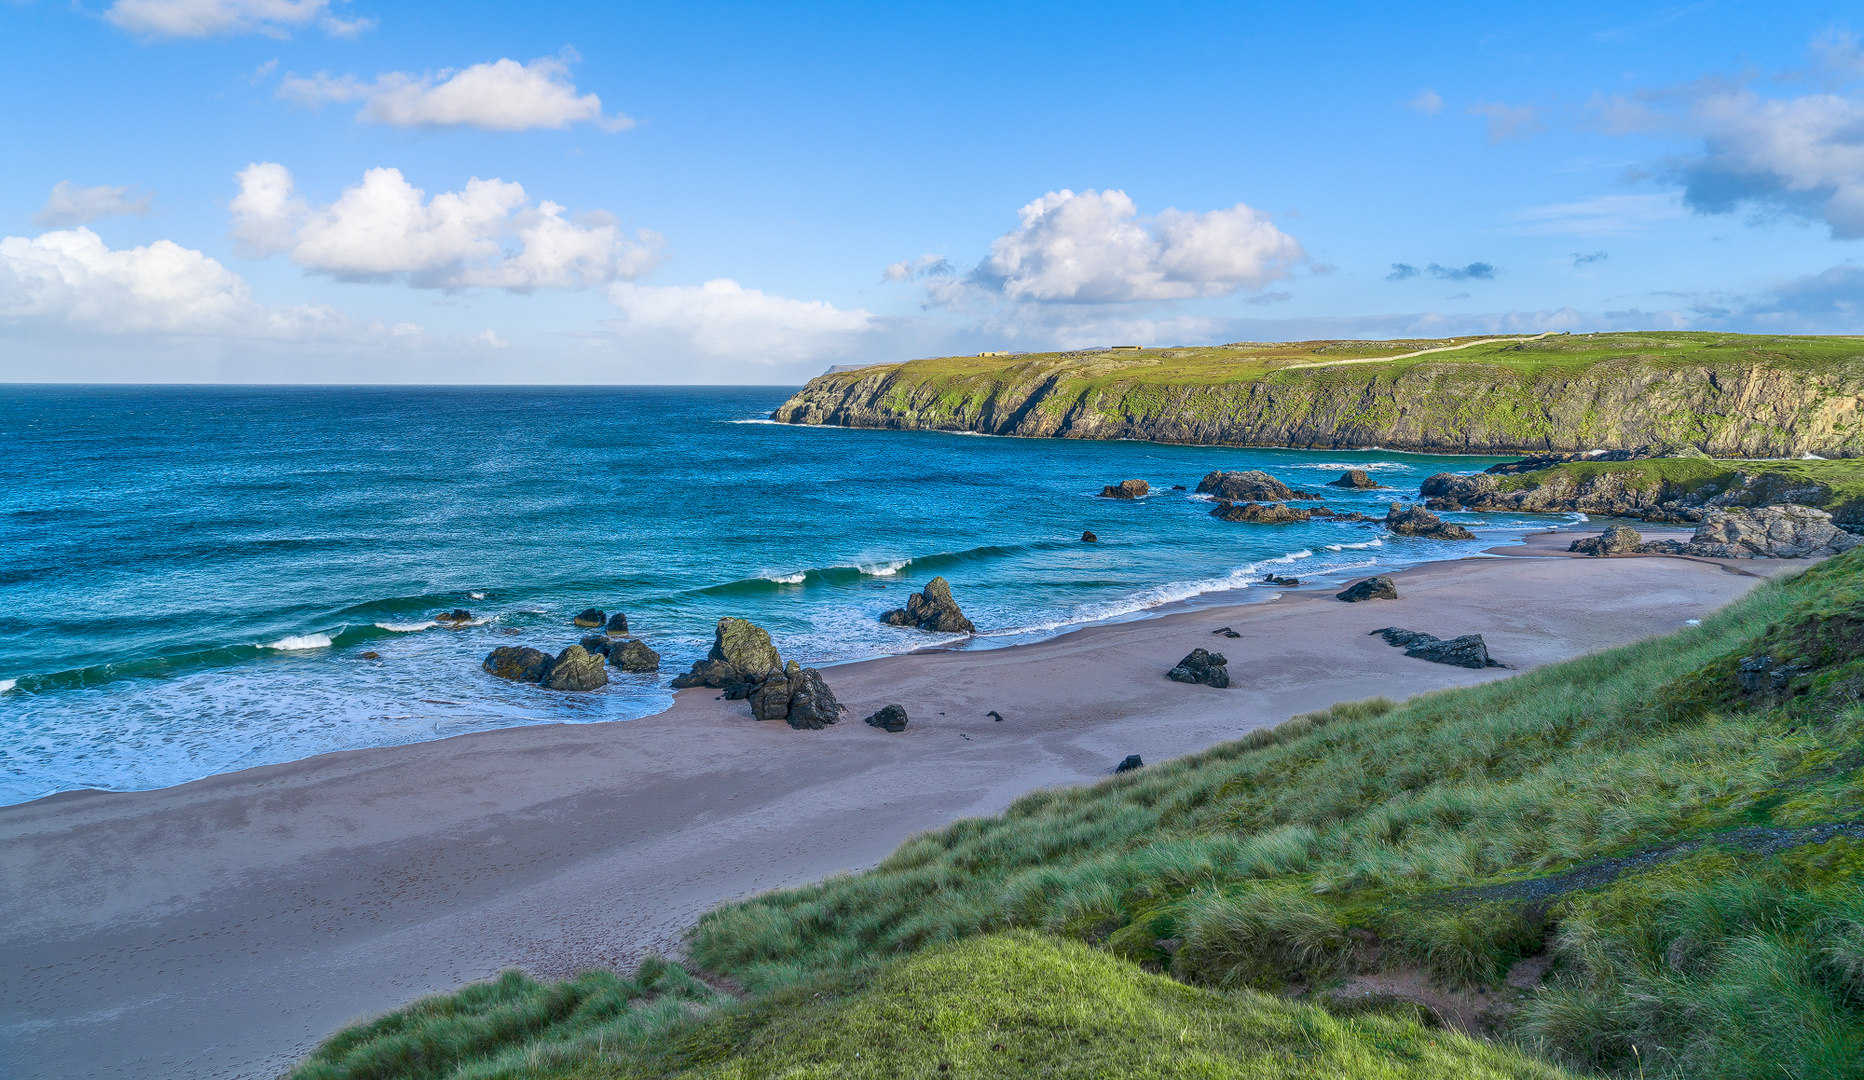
x: 1428, y: 102
x: 722, y: 318
x: 500, y: 96
x: 488, y: 235
x: 70, y: 204
x: 212, y: 18
x: 1831, y: 299
x: 1508, y: 121
x: 1095, y: 248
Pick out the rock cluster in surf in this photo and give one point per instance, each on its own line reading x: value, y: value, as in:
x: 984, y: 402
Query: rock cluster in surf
x: 1356, y: 479
x: 931, y: 609
x: 1417, y: 521
x: 1260, y: 513
x: 1126, y: 489
x: 1249, y: 485
x: 581, y: 666
x: 745, y: 665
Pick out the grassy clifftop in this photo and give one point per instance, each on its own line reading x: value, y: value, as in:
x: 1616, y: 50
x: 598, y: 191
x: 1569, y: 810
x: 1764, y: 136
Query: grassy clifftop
x: 1645, y: 862
x: 1729, y: 394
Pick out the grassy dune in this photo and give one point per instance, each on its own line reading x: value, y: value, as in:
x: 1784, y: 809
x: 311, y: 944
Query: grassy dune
x: 1685, y: 853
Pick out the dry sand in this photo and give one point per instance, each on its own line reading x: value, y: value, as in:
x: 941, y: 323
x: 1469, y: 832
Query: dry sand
x: 221, y: 928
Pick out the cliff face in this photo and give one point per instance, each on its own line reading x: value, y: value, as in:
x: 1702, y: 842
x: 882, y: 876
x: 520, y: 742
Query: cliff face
x: 1744, y: 405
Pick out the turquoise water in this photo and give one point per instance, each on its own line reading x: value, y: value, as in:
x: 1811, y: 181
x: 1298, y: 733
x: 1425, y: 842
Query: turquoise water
x: 189, y: 576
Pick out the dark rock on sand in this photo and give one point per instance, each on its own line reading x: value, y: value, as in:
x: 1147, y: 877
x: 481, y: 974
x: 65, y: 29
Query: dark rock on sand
x: 1089, y: 538
x: 796, y: 694
x: 576, y: 668
x: 770, y: 700
x: 1249, y: 485
x: 596, y: 643
x: 1357, y: 479
x: 891, y: 718
x: 632, y: 655
x: 1259, y: 513
x: 1617, y: 540
x: 1467, y: 651
x: 1126, y: 489
x: 1202, y: 666
x: 741, y: 657
x: 1417, y: 521
x: 617, y: 623
x: 1373, y: 588
x: 931, y: 609
x: 591, y: 617
x: 456, y: 617
x: 1283, y: 582
x: 1132, y: 761
x: 1769, y: 532
x: 995, y: 715
x: 517, y: 663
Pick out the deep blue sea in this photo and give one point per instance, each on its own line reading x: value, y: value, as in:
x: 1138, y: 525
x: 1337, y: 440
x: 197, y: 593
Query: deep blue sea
x: 189, y: 576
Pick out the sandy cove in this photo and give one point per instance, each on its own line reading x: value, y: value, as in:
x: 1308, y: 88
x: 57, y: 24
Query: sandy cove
x: 222, y: 928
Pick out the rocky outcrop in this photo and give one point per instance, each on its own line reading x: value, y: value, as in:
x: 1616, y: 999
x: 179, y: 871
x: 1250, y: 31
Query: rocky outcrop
x: 1635, y: 493
x: 576, y: 668
x: 456, y: 617
x: 1355, y: 479
x: 741, y: 657
x: 797, y: 695
x: 1249, y: 485
x: 633, y: 656
x: 1617, y: 540
x: 1417, y: 521
x: 1769, y: 532
x: 931, y: 609
x: 1202, y: 666
x: 1089, y: 538
x: 593, y: 617
x: 1467, y: 651
x: 892, y: 718
x: 1748, y: 397
x: 1537, y: 462
x: 1260, y: 513
x: 617, y: 623
x: 1373, y: 588
x: 1126, y: 489
x: 517, y: 663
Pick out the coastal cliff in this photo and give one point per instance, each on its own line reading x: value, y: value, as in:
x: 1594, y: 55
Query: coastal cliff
x: 1729, y: 395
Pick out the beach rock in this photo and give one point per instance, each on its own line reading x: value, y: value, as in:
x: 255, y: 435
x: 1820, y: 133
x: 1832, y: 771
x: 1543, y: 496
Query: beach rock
x: 456, y: 617
x: 596, y: 643
x: 931, y: 609
x: 891, y: 718
x: 1467, y: 651
x: 1617, y: 540
x: 1417, y: 521
x: 1202, y: 666
x: 1131, y: 762
x: 1373, y: 588
x: 1126, y: 489
x: 1259, y: 513
x: 632, y: 655
x: 617, y: 623
x: 517, y: 663
x: 741, y: 657
x: 812, y: 704
x: 1249, y: 485
x: 1089, y: 538
x: 576, y: 668
x: 771, y: 699
x: 1357, y: 479
x: 591, y: 617
x: 1284, y: 582
x: 1768, y: 532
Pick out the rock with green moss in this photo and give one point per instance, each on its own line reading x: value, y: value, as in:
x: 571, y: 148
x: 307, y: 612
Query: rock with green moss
x: 1617, y: 540
x: 1419, y: 522
x: 741, y: 657
x: 1260, y: 513
x: 1769, y: 532
x: 1248, y: 485
x: 931, y: 609
x: 633, y: 655
x: 576, y: 668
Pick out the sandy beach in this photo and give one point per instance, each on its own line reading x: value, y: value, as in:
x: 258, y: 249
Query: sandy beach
x: 221, y: 928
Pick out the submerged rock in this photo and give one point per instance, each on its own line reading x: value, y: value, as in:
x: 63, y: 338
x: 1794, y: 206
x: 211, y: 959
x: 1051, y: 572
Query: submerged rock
x: 617, y: 623
x: 1126, y: 489
x: 634, y: 656
x: 591, y: 617
x: 741, y: 657
x: 596, y: 643
x: 576, y: 668
x: 931, y: 609
x: 1259, y: 513
x: 1132, y: 761
x: 1249, y: 485
x: 1202, y: 666
x: 892, y: 718
x: 1617, y: 540
x: 1769, y: 532
x: 1357, y: 479
x: 456, y: 617
x: 1373, y: 588
x: 1468, y: 651
x: 1417, y: 521
x: 1089, y: 538
x: 517, y: 663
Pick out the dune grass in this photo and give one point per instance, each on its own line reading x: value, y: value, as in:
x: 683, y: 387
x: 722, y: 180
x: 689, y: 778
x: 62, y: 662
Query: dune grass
x: 1686, y: 851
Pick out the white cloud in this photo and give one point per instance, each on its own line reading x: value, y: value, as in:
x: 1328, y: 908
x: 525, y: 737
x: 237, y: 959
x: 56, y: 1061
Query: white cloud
x: 500, y: 96
x: 722, y: 318
x: 923, y: 266
x: 1508, y: 121
x: 72, y: 280
x: 1602, y: 215
x: 1427, y: 101
x: 210, y: 18
x: 70, y: 204
x: 488, y: 235
x: 1094, y: 248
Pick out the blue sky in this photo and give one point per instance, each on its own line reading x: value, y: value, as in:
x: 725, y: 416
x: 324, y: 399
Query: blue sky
x: 325, y: 191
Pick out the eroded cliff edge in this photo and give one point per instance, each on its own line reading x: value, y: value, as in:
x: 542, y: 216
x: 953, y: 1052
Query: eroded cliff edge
x: 1729, y: 395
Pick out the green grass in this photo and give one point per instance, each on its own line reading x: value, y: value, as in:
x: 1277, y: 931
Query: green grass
x: 1634, y: 814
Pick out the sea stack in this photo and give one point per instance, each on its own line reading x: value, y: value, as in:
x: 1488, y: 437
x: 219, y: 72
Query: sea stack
x: 741, y: 657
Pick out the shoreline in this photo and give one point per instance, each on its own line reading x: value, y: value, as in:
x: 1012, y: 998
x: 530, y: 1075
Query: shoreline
x: 224, y: 926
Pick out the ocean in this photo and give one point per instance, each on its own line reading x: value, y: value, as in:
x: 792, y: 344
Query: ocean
x: 190, y: 576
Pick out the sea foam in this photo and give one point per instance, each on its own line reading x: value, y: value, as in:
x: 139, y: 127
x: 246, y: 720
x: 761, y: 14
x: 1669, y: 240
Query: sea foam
x: 403, y: 627
x: 7, y: 684
x: 300, y: 642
